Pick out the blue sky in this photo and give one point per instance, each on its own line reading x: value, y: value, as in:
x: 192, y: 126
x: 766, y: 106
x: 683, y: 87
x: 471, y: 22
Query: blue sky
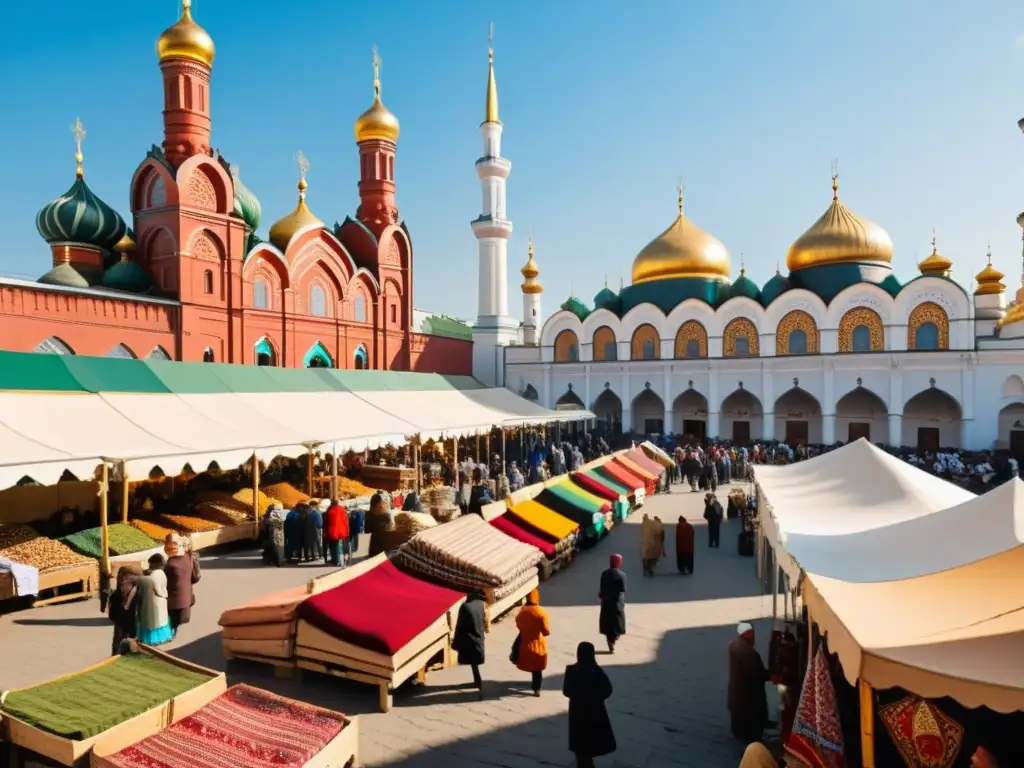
x: 605, y: 106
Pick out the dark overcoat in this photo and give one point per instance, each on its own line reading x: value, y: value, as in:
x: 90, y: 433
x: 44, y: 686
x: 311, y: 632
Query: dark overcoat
x: 468, y: 641
x: 612, y: 620
x: 590, y: 730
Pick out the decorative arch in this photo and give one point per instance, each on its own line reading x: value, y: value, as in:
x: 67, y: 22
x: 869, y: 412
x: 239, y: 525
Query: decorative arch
x: 861, y: 330
x: 318, y: 357
x: 862, y: 413
x: 608, y: 408
x: 203, y: 185
x: 645, y: 344
x: 927, y: 328
x: 690, y: 416
x: 605, y: 345
x: 1011, y: 429
x: 741, y: 417
x: 206, y: 245
x: 797, y: 334
x: 567, y: 347
x: 53, y: 346
x: 152, y: 186
x: 122, y: 351
x: 320, y: 244
x: 648, y: 413
x: 798, y: 418
x: 158, y: 353
x: 1013, y: 386
x: 266, y: 257
x: 209, y: 356
x: 360, y: 359
x: 264, y: 353
x: 739, y: 339
x: 691, y: 341
x: 569, y: 400
x: 932, y: 420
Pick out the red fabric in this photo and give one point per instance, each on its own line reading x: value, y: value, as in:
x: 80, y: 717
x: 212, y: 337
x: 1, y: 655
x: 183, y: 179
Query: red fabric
x: 644, y: 461
x: 336, y: 523
x: 589, y: 484
x: 645, y: 482
x: 621, y: 475
x: 511, y: 528
x: 381, y: 610
x: 531, y: 529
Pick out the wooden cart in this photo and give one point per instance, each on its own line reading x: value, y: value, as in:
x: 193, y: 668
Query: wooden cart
x: 83, y: 579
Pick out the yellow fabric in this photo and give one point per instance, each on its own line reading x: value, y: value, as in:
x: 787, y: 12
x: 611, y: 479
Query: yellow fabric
x: 636, y: 469
x: 544, y: 519
x: 658, y: 455
x: 583, y: 493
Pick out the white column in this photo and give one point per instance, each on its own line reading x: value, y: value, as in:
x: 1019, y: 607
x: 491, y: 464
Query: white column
x: 627, y: 404
x: 967, y: 404
x: 587, y: 402
x: 895, y: 403
x: 714, y: 405
x: 895, y: 429
x: 546, y: 394
x: 666, y: 394
x: 768, y: 403
x: 828, y: 408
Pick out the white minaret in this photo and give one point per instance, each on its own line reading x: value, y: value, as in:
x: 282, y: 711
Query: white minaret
x: 494, y: 327
x: 532, y: 290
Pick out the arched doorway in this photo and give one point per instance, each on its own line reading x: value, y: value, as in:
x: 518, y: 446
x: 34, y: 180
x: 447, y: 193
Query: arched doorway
x: 741, y: 417
x: 361, y: 361
x: 690, y: 417
x: 608, y: 409
x: 931, y: 420
x: 1011, y: 429
x: 862, y: 413
x: 1013, y: 386
x: 264, y: 353
x: 568, y: 401
x: 648, y: 414
x: 798, y: 418
x: 318, y: 357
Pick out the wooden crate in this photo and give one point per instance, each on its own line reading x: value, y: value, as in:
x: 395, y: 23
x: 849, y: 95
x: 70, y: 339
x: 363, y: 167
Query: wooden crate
x: 83, y: 580
x: 388, y: 478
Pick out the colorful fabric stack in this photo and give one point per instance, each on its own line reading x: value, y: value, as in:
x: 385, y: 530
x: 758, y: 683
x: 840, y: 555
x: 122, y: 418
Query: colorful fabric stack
x: 469, y: 554
x: 264, y: 627
x: 656, y: 453
x: 571, y: 490
x: 589, y: 516
x: 381, y: 610
x: 641, y: 459
x: 546, y: 524
x: 613, y: 472
x: 923, y: 733
x: 243, y: 726
x: 592, y: 484
x: 816, y: 740
x: 510, y: 527
x: 650, y: 481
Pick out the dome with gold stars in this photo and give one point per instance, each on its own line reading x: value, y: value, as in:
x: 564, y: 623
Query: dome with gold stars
x: 682, y: 250
x: 186, y: 40
x: 300, y: 220
x: 376, y: 123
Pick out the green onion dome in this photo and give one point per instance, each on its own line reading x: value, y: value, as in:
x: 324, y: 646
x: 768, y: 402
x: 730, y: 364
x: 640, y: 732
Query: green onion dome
x: 79, y: 216
x: 606, y: 298
x: 744, y: 286
x: 774, y: 288
x: 127, y: 275
x: 577, y: 307
x: 246, y: 204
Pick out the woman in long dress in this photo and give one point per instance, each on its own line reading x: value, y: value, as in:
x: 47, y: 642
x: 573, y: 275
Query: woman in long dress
x: 154, y: 620
x: 534, y: 628
x: 612, y: 594
x: 587, y: 687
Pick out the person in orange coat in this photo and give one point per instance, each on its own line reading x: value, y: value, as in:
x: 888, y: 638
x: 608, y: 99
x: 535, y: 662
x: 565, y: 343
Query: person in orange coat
x: 532, y: 623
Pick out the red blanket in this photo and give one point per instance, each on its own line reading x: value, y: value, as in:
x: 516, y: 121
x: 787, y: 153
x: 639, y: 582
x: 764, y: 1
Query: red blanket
x: 243, y: 726
x: 591, y: 485
x: 381, y: 610
x: 621, y: 475
x: 642, y: 460
x: 510, y: 527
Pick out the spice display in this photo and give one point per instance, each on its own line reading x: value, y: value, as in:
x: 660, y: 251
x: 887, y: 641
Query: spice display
x: 287, y: 494
x: 244, y: 497
x: 221, y: 514
x: 152, y: 530
x: 20, y: 544
x: 352, y: 489
x: 122, y: 539
x: 189, y: 523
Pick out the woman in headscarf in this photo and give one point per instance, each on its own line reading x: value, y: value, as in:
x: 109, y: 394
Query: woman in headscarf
x: 652, y: 543
x: 121, y: 608
x: 533, y: 625
x: 154, y: 622
x: 182, y: 572
x: 587, y: 687
x: 273, y: 536
x: 468, y: 640
x: 612, y: 619
x: 684, y: 546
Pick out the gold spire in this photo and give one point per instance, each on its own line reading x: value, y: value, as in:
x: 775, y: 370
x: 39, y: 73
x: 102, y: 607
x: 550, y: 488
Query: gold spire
x: 79, y: 131
x: 125, y: 246
x: 491, y: 110
x: 186, y: 40
x: 990, y: 279
x: 679, y: 196
x: 377, y: 122
x: 743, y: 265
x: 530, y: 272
x: 835, y: 181
x: 299, y: 220
x: 936, y: 264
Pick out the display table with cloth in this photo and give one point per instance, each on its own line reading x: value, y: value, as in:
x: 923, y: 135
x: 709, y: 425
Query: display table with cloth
x: 591, y: 520
x: 545, y: 523
x: 263, y: 630
x: 601, y: 488
x: 556, y: 556
x: 649, y: 480
x: 618, y: 474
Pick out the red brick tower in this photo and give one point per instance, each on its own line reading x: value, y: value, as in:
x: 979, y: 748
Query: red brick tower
x: 377, y: 136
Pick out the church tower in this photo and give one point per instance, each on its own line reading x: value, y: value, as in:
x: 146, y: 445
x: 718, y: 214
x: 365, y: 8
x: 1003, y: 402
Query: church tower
x: 532, y: 290
x: 494, y: 327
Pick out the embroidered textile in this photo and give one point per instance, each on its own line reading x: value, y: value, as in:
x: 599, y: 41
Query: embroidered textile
x: 817, y: 737
x: 924, y: 735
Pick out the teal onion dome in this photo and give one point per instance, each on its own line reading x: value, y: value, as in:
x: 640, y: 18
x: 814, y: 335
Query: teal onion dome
x: 606, y: 298
x: 246, y: 204
x: 126, y: 275
x: 79, y: 216
x: 746, y: 287
x: 774, y: 288
x: 577, y: 307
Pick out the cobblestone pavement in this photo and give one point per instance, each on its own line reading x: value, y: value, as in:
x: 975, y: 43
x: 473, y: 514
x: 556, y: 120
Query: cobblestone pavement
x: 669, y: 672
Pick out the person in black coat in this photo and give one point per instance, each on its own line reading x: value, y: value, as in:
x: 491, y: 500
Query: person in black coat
x: 713, y: 514
x: 468, y: 641
x: 479, y: 494
x: 587, y: 687
x: 691, y: 470
x: 121, y: 608
x: 612, y: 620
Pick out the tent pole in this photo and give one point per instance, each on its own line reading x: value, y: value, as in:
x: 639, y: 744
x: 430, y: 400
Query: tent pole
x: 334, y: 472
x: 124, y: 492
x: 867, y: 723
x: 488, y: 457
x: 255, y: 488
x: 478, y: 447
x: 455, y: 455
x: 416, y: 460
x: 104, y: 537
x: 502, y: 451
x: 309, y: 471
x: 775, y: 592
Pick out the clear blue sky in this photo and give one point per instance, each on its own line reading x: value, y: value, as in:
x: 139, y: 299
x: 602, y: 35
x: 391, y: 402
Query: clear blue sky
x: 605, y: 106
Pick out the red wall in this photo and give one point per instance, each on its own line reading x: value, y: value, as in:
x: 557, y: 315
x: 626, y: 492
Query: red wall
x: 440, y: 354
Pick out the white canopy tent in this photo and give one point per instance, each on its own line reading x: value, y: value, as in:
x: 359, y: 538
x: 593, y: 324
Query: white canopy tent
x: 808, y: 509
x: 522, y: 411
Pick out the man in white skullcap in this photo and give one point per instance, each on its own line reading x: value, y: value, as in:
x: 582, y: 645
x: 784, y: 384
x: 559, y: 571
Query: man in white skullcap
x: 748, y: 702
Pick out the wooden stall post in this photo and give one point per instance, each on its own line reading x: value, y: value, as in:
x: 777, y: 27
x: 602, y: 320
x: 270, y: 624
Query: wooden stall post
x: 104, y: 537
x: 477, y: 447
x: 334, y: 472
x: 416, y: 460
x: 455, y: 453
x: 309, y: 471
x: 124, y: 492
x: 775, y: 593
x: 503, y: 450
x: 255, y: 488
x: 867, y: 723
x: 488, y: 442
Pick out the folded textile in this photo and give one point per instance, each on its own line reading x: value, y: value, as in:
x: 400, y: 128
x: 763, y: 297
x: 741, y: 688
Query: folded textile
x: 277, y: 606
x: 457, y: 578
x: 26, y: 577
x: 544, y: 522
x: 509, y: 527
x: 590, y: 483
x: 645, y: 462
x: 816, y: 740
x: 573, y: 492
x: 615, y: 471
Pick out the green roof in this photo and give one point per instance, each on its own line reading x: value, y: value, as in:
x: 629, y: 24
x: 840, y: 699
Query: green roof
x: 28, y: 371
x: 577, y: 307
x: 440, y: 325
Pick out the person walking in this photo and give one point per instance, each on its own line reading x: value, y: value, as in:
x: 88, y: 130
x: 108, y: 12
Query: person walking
x: 336, y: 532
x: 182, y: 571
x: 684, y: 546
x: 154, y: 622
x: 122, y: 606
x: 713, y: 514
x: 273, y: 536
x: 747, y: 701
x: 612, y: 619
x: 468, y: 641
x: 534, y: 627
x: 587, y: 688
x: 355, y: 527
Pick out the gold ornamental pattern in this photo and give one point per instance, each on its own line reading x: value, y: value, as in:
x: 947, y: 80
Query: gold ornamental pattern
x: 797, y: 320
x: 741, y: 327
x: 602, y: 337
x: 928, y: 312
x: 641, y: 336
x: 566, y: 347
x: 689, y: 331
x: 861, y: 316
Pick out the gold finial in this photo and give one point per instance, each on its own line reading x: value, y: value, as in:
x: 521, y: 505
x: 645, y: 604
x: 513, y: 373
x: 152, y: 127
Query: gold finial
x: 303, y: 162
x: 490, y: 41
x: 935, y: 247
x: 491, y: 108
x: 79, y: 132
x: 376, y: 73
x: 743, y: 265
x: 988, y: 252
x: 835, y: 180
x: 680, y: 188
x: 529, y: 247
x: 186, y: 7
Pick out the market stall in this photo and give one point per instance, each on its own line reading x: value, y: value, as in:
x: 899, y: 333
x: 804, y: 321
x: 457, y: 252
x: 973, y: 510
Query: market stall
x: 244, y: 726
x: 657, y: 454
x: 374, y: 624
x: 546, y: 523
x: 557, y: 555
x: 34, y: 565
x: 627, y: 464
x: 263, y: 630
x: 612, y: 473
x: 109, y: 705
x: 591, y: 518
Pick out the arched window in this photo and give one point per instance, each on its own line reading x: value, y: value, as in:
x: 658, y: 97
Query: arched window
x: 739, y: 339
x: 611, y: 350
x: 208, y: 281
x: 742, y: 346
x: 798, y: 342
x: 121, y: 351
x: 605, y: 346
x: 648, y: 349
x: 566, y: 347
x: 318, y: 357
x: 317, y: 302
x: 861, y: 339
x: 158, y: 353
x: 264, y: 353
x: 361, y: 361
x: 53, y: 346
x: 360, y: 308
x: 208, y: 355
x: 693, y: 348
x: 926, y: 337
x: 260, y: 294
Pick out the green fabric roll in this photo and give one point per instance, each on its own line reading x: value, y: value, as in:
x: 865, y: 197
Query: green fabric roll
x: 123, y: 539
x: 83, y: 705
x: 620, y: 510
x: 608, y: 482
x: 565, y: 491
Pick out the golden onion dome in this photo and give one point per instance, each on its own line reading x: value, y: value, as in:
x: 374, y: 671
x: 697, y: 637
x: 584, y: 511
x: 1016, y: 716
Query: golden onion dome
x: 299, y: 220
x: 839, y: 237
x: 990, y: 279
x: 530, y: 272
x: 682, y: 250
x: 376, y: 123
x: 186, y: 40
x: 1015, y: 314
x: 936, y: 264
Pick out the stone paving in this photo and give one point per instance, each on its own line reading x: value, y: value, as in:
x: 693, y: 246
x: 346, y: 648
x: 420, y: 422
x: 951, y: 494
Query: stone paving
x: 669, y: 672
